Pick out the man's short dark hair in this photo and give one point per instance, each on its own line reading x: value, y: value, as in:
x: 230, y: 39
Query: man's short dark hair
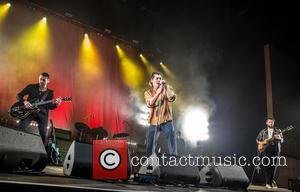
x: 270, y: 118
x: 152, y: 76
x: 44, y: 74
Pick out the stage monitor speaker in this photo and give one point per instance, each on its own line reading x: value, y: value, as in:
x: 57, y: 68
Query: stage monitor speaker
x: 79, y: 160
x: 294, y: 184
x: 20, y: 150
x: 162, y: 170
x: 224, y: 176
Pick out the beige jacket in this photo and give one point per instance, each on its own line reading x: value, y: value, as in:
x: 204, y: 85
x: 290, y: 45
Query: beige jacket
x: 164, y: 100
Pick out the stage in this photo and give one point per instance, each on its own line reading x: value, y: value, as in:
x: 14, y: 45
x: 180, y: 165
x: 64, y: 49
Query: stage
x: 201, y: 72
x: 52, y: 179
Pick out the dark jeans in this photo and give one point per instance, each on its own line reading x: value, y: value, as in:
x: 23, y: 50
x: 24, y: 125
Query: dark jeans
x: 270, y: 170
x: 42, y: 121
x: 168, y: 129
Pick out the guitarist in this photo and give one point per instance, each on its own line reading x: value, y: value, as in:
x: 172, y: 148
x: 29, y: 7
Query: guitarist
x: 272, y: 149
x: 38, y: 92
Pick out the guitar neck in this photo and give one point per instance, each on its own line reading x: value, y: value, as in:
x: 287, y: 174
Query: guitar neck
x: 43, y: 102
x: 278, y: 133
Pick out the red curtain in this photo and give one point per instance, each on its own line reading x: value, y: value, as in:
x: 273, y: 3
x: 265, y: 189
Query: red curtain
x: 99, y: 95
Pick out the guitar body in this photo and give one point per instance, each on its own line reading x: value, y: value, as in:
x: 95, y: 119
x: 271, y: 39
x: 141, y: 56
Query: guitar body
x: 261, y: 146
x: 19, y: 111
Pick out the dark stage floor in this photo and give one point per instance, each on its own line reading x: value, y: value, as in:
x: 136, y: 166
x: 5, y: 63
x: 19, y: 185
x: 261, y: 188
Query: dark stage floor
x: 54, y: 180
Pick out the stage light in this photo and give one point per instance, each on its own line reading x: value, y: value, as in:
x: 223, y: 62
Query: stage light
x: 143, y: 108
x: 150, y: 68
x: 44, y: 19
x: 89, y: 60
x: 107, y: 31
x: 4, y: 10
x: 30, y: 50
x: 117, y: 46
x: 132, y: 72
x: 195, y: 124
x: 68, y: 15
x: 135, y: 42
x: 142, y: 115
x: 167, y: 71
x: 86, y: 40
x: 143, y: 122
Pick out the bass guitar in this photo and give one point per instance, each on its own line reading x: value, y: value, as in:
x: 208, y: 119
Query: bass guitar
x: 19, y: 111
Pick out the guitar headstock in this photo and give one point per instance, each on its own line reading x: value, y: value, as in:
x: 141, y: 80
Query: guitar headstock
x: 290, y: 127
x: 66, y: 98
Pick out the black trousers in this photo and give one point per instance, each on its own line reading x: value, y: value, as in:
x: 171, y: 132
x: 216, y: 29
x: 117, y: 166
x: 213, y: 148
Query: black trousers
x: 41, y: 119
x: 270, y: 171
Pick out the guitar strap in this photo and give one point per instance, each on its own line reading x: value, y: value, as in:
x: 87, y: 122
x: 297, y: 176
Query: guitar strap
x: 44, y: 96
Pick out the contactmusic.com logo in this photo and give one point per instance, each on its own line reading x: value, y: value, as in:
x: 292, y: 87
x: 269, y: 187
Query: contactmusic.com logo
x: 110, y: 159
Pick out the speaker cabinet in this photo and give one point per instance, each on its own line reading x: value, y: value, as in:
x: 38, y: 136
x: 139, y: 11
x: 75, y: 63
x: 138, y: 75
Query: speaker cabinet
x: 161, y: 169
x: 79, y: 160
x: 21, y: 150
x: 224, y: 176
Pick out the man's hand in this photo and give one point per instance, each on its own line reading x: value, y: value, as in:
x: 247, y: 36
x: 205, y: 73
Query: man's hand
x: 277, y: 136
x: 58, y: 101
x: 27, y: 105
x: 160, y: 89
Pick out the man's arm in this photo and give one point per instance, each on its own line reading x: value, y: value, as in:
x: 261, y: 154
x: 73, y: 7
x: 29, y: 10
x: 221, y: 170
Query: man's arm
x: 279, y: 136
x: 259, y: 137
x: 51, y: 106
x: 24, y: 92
x: 150, y: 100
x: 170, y: 93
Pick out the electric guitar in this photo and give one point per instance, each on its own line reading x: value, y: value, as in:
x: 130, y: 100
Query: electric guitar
x: 52, y: 149
x: 19, y: 111
x: 262, y: 145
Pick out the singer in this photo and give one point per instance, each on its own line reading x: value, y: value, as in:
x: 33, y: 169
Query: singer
x: 159, y: 99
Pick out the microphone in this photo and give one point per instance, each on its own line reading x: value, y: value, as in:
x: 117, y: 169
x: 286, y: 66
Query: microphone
x: 163, y: 82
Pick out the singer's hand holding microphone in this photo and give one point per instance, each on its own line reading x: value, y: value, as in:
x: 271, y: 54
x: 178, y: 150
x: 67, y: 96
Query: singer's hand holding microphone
x: 162, y: 86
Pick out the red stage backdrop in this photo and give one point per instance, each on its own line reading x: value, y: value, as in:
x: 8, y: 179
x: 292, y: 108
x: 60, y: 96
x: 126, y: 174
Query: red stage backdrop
x: 89, y: 72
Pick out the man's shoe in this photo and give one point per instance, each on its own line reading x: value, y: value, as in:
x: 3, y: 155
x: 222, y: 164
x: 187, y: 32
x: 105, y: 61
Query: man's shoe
x: 274, y: 185
x: 268, y: 186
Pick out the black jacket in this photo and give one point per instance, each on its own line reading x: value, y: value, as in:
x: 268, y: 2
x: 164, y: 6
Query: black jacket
x: 34, y: 95
x: 263, y: 134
